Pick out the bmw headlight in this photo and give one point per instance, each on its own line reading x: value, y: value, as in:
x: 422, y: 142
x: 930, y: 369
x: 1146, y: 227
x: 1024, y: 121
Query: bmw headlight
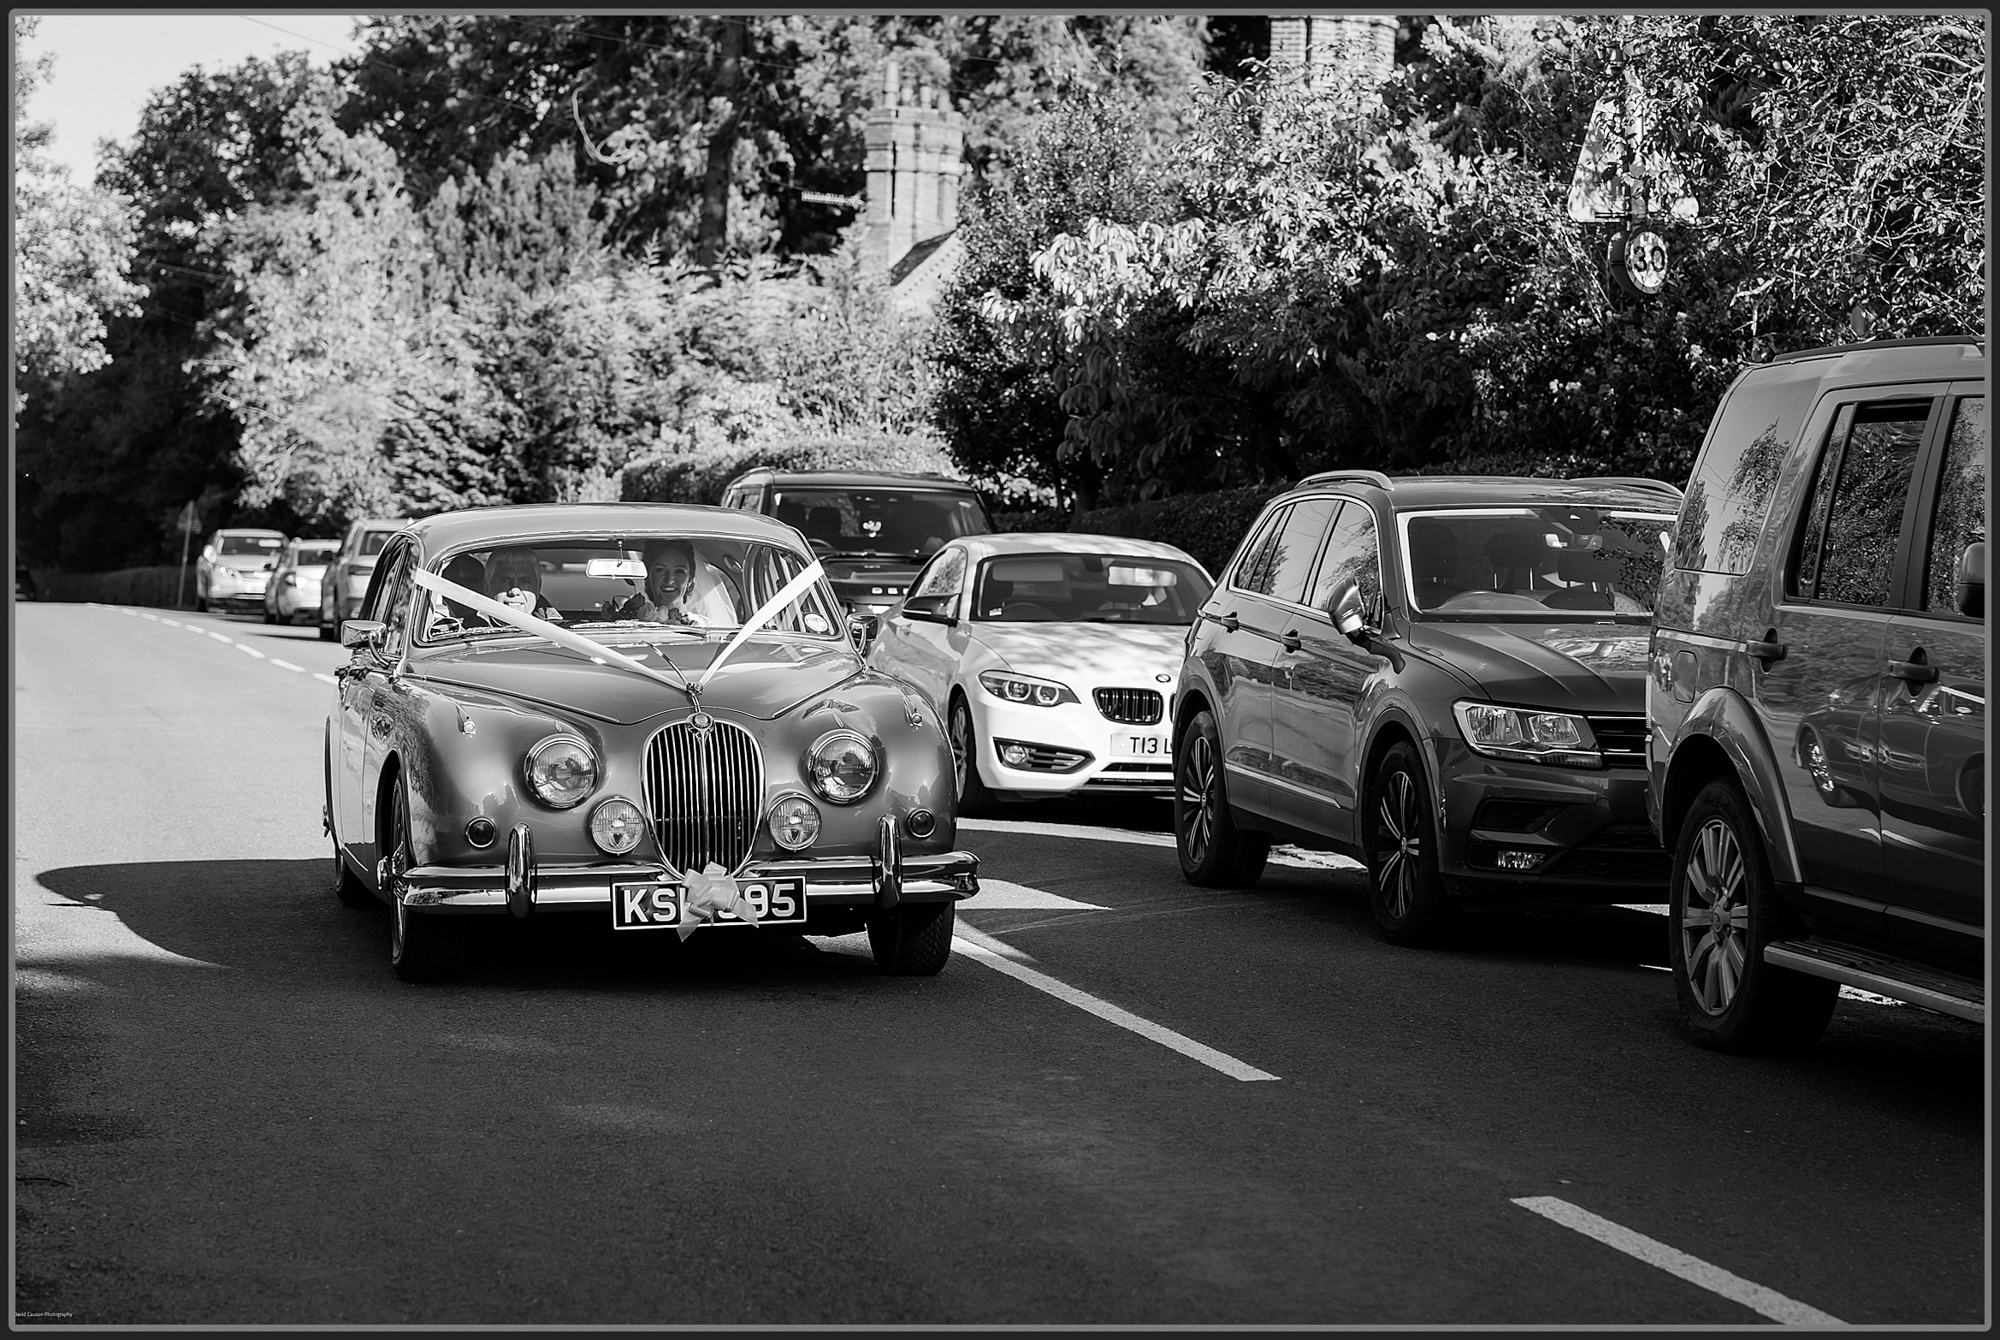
x: 1025, y: 690
x: 562, y: 771
x: 1527, y: 735
x: 794, y: 822
x: 841, y: 766
x: 616, y: 826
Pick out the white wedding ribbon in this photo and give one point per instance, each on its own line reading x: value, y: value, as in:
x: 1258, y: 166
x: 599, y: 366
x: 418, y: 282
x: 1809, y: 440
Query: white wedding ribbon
x: 710, y: 890
x: 765, y: 613
x: 528, y: 623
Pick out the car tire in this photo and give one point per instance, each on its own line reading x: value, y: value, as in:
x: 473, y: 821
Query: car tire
x: 1399, y: 841
x: 1214, y: 853
x: 914, y: 939
x: 974, y: 796
x: 423, y: 946
x: 1722, y: 909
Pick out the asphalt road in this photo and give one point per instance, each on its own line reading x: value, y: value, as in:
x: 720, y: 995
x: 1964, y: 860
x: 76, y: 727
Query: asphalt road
x: 229, y: 1111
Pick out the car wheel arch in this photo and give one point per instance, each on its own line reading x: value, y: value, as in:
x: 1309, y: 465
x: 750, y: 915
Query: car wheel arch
x: 1721, y: 724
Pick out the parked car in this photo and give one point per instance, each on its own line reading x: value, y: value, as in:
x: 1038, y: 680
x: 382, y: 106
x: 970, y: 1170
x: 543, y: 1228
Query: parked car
x: 1817, y: 702
x: 617, y: 756
x: 24, y: 583
x: 1053, y: 659
x: 871, y: 531
x: 1444, y: 677
x: 293, y: 592
x: 234, y: 569
x: 345, y: 580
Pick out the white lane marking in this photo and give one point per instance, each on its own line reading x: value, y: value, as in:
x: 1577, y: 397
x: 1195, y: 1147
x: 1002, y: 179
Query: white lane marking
x: 999, y: 893
x: 171, y: 623
x: 1763, y: 1301
x: 1657, y: 909
x: 130, y: 614
x: 220, y: 638
x: 324, y: 679
x: 154, y: 617
x: 287, y: 665
x: 1856, y: 993
x: 249, y: 650
x: 973, y: 935
x: 196, y: 629
x: 1296, y: 857
x: 1110, y: 1013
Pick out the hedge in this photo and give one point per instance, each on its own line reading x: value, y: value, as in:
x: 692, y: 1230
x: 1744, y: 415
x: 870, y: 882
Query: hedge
x: 158, y: 588
x: 701, y: 477
x: 1207, y: 525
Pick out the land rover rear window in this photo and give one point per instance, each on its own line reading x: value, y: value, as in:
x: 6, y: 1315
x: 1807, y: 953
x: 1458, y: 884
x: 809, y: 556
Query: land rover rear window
x: 1726, y: 500
x: 1864, y: 521
x: 1960, y: 516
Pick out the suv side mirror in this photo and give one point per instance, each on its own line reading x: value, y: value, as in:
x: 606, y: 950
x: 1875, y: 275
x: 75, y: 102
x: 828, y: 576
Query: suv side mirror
x: 362, y: 634
x: 1972, y: 580
x: 861, y: 630
x: 931, y: 609
x: 1349, y: 614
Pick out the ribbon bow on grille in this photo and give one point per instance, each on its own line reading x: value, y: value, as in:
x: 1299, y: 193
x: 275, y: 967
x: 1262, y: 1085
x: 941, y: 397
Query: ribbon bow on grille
x: 712, y: 890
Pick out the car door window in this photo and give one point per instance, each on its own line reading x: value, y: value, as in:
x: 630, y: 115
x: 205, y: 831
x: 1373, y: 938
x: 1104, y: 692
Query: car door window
x: 1291, y: 561
x: 1351, y: 555
x: 396, y: 614
x: 1851, y: 558
x: 1254, y: 572
x: 375, y: 604
x: 1959, y: 517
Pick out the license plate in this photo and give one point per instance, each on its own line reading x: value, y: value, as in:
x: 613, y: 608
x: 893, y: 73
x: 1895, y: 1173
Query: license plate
x: 644, y: 907
x: 1152, y: 746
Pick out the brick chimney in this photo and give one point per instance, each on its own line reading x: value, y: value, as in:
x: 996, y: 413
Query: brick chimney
x: 916, y: 152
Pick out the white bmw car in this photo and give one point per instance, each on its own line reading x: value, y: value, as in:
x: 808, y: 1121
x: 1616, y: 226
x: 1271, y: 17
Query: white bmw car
x: 1052, y: 659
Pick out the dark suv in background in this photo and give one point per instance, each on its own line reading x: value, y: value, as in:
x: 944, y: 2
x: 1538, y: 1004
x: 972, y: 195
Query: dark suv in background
x: 1442, y: 676
x: 871, y: 531
x: 1817, y: 698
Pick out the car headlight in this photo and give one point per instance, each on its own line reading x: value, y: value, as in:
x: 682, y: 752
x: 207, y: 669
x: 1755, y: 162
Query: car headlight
x: 616, y: 826
x: 841, y: 766
x: 1527, y: 735
x: 794, y: 822
x: 1025, y: 690
x: 561, y: 771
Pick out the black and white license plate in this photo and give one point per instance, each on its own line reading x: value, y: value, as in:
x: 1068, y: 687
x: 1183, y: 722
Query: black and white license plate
x: 644, y: 907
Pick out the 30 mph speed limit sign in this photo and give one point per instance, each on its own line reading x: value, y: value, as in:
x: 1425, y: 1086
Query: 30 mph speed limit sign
x: 1638, y: 261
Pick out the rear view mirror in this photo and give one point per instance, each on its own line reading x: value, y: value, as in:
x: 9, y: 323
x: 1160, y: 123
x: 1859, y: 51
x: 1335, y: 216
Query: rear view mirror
x: 361, y: 634
x: 931, y: 608
x: 615, y: 567
x: 1972, y: 580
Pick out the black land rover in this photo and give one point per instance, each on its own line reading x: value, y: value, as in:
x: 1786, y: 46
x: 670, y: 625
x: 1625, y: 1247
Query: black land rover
x: 871, y: 531
x: 1817, y: 698
x: 1442, y: 676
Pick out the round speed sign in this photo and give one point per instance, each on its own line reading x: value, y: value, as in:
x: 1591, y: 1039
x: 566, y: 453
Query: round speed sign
x: 1639, y: 261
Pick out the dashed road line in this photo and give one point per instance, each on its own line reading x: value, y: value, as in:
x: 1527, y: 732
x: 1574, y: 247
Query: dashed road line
x: 1765, y: 1302
x: 287, y: 665
x: 220, y: 638
x: 249, y: 650
x: 196, y: 629
x: 154, y: 617
x: 1105, y: 1010
x: 1297, y: 858
x: 324, y: 679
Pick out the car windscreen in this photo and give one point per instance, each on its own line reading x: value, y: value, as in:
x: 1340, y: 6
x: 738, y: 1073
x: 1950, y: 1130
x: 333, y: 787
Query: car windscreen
x: 238, y: 546
x: 1087, y: 588
x: 886, y: 523
x: 1531, y: 564
x: 372, y: 542
x: 695, y: 583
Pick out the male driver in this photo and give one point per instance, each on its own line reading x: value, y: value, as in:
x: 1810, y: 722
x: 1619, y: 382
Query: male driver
x: 514, y: 576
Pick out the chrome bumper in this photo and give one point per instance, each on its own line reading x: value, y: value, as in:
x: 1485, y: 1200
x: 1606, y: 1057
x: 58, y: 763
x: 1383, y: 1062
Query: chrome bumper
x: 522, y: 885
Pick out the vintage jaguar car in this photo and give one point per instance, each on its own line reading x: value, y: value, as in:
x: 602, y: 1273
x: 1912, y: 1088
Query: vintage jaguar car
x: 651, y: 714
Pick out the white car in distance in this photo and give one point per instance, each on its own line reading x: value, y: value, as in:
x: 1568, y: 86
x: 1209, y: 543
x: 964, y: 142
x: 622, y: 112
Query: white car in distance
x: 1052, y: 659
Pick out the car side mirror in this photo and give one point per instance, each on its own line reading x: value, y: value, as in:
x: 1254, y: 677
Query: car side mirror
x: 861, y: 629
x: 362, y: 634
x: 1350, y: 616
x: 1972, y: 580
x: 931, y: 609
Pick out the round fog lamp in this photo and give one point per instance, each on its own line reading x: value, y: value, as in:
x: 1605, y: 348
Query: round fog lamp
x: 922, y: 823
x: 616, y: 826
x: 480, y: 832
x: 1014, y: 755
x: 794, y: 822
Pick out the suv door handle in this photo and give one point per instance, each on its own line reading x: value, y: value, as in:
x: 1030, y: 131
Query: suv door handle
x: 1229, y: 621
x: 1290, y: 641
x: 1914, y: 672
x: 1767, y: 652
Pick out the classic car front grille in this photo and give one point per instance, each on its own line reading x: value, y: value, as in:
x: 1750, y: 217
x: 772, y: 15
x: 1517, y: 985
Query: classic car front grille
x: 1134, y: 707
x: 704, y: 794
x: 1623, y: 740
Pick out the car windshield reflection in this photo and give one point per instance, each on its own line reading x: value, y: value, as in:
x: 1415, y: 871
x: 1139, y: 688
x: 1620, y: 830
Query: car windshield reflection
x: 1534, y: 564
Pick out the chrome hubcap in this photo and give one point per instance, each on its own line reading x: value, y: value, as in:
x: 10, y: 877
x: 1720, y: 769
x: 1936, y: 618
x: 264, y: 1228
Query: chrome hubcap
x: 1198, y: 798
x: 1715, y: 918
x: 394, y: 864
x: 961, y: 747
x: 1398, y: 844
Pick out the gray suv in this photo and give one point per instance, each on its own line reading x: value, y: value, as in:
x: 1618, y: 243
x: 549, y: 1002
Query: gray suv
x: 1817, y: 694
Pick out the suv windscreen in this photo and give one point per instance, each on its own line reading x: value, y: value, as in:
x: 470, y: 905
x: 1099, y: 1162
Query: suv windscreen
x: 1531, y: 564
x: 1088, y: 588
x: 879, y: 523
